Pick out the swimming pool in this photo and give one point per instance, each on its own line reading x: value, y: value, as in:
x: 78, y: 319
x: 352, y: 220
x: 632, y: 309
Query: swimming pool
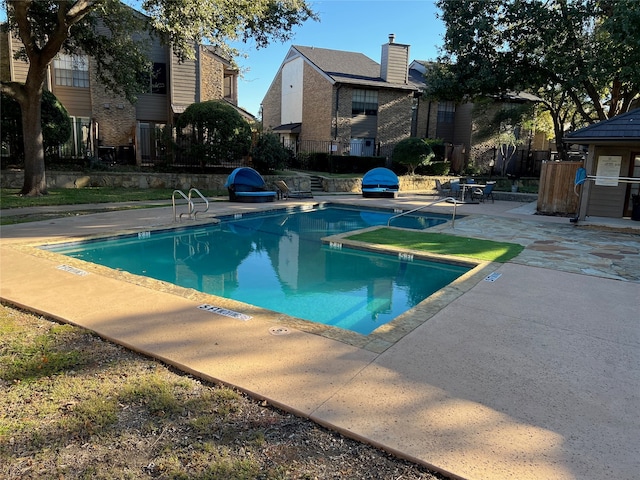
x: 276, y: 260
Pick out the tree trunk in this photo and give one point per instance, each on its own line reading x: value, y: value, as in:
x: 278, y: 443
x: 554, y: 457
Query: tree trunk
x: 559, y: 134
x: 34, y: 174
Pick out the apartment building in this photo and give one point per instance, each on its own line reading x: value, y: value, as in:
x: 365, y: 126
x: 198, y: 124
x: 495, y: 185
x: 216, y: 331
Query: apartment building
x: 108, y: 124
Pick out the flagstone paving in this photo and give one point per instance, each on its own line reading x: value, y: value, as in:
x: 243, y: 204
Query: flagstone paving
x: 568, y: 248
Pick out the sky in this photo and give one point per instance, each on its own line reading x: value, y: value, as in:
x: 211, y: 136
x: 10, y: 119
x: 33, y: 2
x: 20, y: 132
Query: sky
x: 350, y: 25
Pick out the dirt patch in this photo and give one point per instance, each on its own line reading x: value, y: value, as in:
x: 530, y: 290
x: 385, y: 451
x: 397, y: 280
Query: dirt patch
x: 75, y: 406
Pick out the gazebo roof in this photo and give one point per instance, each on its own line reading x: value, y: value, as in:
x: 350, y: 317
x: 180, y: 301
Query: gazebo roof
x: 621, y: 128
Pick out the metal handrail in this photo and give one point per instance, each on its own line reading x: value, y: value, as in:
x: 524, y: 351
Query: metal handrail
x: 193, y: 210
x: 453, y: 217
x: 173, y: 201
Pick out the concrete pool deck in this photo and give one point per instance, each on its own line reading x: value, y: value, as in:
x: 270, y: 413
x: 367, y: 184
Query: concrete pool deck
x: 533, y: 375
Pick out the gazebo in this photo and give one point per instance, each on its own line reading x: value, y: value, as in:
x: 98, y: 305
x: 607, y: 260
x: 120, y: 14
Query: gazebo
x: 611, y: 187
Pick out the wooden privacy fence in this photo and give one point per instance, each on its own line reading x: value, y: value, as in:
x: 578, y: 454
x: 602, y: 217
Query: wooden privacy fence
x: 556, y: 191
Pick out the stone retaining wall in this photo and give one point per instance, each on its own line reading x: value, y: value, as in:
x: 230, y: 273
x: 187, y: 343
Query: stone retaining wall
x: 215, y: 183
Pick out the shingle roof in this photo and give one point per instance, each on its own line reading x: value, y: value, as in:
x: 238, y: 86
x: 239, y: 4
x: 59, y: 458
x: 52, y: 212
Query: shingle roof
x: 348, y: 67
x: 623, y: 127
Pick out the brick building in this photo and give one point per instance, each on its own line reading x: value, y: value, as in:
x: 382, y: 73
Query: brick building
x: 344, y: 102
x: 107, y: 124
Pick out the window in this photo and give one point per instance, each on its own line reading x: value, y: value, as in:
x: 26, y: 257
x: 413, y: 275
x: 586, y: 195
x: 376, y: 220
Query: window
x: 79, y: 143
x: 159, y: 79
x: 228, y: 82
x: 364, y: 102
x: 446, y: 112
x: 71, y: 70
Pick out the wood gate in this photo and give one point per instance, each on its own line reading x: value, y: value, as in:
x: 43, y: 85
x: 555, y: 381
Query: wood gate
x: 556, y: 191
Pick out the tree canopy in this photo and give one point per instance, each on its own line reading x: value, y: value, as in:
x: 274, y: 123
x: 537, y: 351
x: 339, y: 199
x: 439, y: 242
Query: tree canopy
x: 580, y: 57
x: 110, y: 32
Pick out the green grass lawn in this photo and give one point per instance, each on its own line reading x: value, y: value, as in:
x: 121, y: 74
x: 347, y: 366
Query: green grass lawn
x: 9, y: 197
x: 442, y: 244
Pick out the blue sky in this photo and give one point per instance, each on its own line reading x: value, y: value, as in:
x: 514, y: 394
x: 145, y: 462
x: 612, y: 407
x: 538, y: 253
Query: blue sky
x: 351, y: 25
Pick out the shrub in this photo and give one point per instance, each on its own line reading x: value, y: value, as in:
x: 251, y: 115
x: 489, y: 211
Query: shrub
x: 413, y: 152
x: 434, y: 169
x: 56, y: 125
x: 269, y: 154
x: 217, y: 132
x: 354, y: 164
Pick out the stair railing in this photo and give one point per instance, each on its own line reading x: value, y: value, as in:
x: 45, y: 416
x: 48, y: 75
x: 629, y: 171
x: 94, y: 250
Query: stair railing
x: 448, y: 199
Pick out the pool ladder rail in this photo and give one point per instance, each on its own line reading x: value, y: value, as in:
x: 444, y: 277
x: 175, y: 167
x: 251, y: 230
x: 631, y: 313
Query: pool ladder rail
x: 448, y: 200
x: 192, y: 212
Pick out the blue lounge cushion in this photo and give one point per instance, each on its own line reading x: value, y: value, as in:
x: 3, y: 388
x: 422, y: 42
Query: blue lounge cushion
x: 261, y: 193
x: 381, y: 182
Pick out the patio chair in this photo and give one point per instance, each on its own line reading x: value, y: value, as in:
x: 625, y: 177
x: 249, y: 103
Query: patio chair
x: 286, y: 192
x: 380, y: 182
x: 455, y: 188
x: 442, y: 192
x: 484, y: 193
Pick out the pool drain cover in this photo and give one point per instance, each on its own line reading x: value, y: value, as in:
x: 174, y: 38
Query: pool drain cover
x: 279, y: 331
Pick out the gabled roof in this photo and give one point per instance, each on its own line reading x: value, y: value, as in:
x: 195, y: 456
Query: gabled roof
x: 348, y: 67
x: 623, y: 127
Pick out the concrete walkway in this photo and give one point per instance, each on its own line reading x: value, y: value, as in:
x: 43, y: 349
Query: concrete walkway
x: 534, y: 375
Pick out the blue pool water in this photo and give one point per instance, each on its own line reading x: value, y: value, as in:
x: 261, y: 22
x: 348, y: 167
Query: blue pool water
x: 277, y: 261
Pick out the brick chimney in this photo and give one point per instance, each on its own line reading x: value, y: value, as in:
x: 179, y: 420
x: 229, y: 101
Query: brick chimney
x: 394, y: 64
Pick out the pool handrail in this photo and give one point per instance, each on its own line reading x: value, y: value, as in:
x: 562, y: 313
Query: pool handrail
x: 448, y: 199
x: 193, y: 208
x: 192, y: 212
x: 173, y: 201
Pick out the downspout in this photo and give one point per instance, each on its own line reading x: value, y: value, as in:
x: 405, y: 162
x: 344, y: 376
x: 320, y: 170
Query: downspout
x: 414, y: 117
x: 428, y: 120
x: 335, y: 129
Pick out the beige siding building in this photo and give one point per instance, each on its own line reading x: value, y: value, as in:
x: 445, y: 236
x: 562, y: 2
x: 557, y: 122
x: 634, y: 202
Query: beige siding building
x: 106, y: 124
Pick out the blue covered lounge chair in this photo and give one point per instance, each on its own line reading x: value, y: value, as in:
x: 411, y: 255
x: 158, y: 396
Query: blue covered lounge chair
x: 247, y: 185
x: 380, y: 182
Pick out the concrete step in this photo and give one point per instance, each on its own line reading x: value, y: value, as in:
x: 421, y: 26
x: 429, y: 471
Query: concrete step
x: 316, y: 184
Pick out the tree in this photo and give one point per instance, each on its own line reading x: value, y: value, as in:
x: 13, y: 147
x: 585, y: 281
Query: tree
x: 580, y: 57
x: 47, y: 27
x: 413, y: 152
x: 56, y: 124
x: 501, y: 123
x: 217, y: 132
